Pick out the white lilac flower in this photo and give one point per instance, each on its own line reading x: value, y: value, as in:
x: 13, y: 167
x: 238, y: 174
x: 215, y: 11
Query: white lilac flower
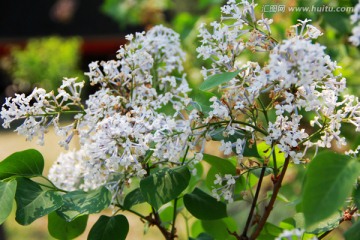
x: 355, y: 20
x: 354, y: 153
x: 313, y: 32
x: 160, y: 48
x: 223, y: 42
x: 300, y: 63
x: 119, y: 127
x: 218, y: 179
x: 286, y: 132
x: 68, y: 171
x: 148, y: 71
x: 226, y: 147
x: 243, y: 93
x: 240, y: 146
x: 40, y: 110
x: 220, y: 110
x: 225, y: 190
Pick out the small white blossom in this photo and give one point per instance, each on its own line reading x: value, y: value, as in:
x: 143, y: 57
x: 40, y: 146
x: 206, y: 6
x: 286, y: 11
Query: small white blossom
x: 226, y: 147
x: 355, y: 20
x: 40, y: 110
x: 225, y: 190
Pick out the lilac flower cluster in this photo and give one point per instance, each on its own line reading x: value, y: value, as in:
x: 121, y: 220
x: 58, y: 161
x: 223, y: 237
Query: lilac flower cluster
x: 123, y: 129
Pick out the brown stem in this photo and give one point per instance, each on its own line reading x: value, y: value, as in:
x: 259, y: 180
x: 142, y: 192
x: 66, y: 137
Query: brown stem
x: 236, y: 235
x: 173, y: 228
x: 253, y: 205
x: 154, y: 219
x: 269, y: 207
x: 344, y: 218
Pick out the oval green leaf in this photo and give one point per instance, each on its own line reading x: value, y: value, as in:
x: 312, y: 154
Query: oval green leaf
x: 7, y: 194
x: 33, y: 202
x: 61, y: 229
x: 27, y: 163
x: 329, y: 180
x: 132, y: 198
x: 79, y: 203
x: 164, y: 185
x: 223, y: 166
x: 217, y: 79
x: 110, y: 228
x: 203, y: 206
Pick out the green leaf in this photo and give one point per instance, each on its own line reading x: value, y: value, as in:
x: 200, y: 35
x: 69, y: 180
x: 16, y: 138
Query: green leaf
x: 219, y: 229
x: 265, y: 151
x: 353, y: 233
x: 288, y: 224
x: 195, y: 180
x: 26, y: 163
x: 201, y: 101
x: 356, y: 195
x: 61, y: 229
x: 324, y: 225
x: 224, y: 166
x: 166, y: 213
x: 132, y: 198
x: 164, y: 185
x: 210, y: 177
x: 250, y: 150
x: 269, y: 232
x: 110, y: 228
x: 79, y: 203
x: 217, y: 79
x: 203, y: 206
x: 257, y: 171
x: 33, y: 202
x: 329, y: 180
x: 7, y: 194
x: 202, y: 236
x: 221, y: 166
x: 196, y: 228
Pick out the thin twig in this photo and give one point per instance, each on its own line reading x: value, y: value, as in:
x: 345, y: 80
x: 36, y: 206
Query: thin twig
x: 173, y: 228
x: 153, y: 219
x: 269, y: 207
x: 253, y: 205
x: 157, y: 222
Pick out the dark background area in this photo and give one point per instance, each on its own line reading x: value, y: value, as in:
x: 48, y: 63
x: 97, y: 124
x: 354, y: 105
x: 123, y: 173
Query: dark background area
x: 22, y: 20
x: 19, y: 18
